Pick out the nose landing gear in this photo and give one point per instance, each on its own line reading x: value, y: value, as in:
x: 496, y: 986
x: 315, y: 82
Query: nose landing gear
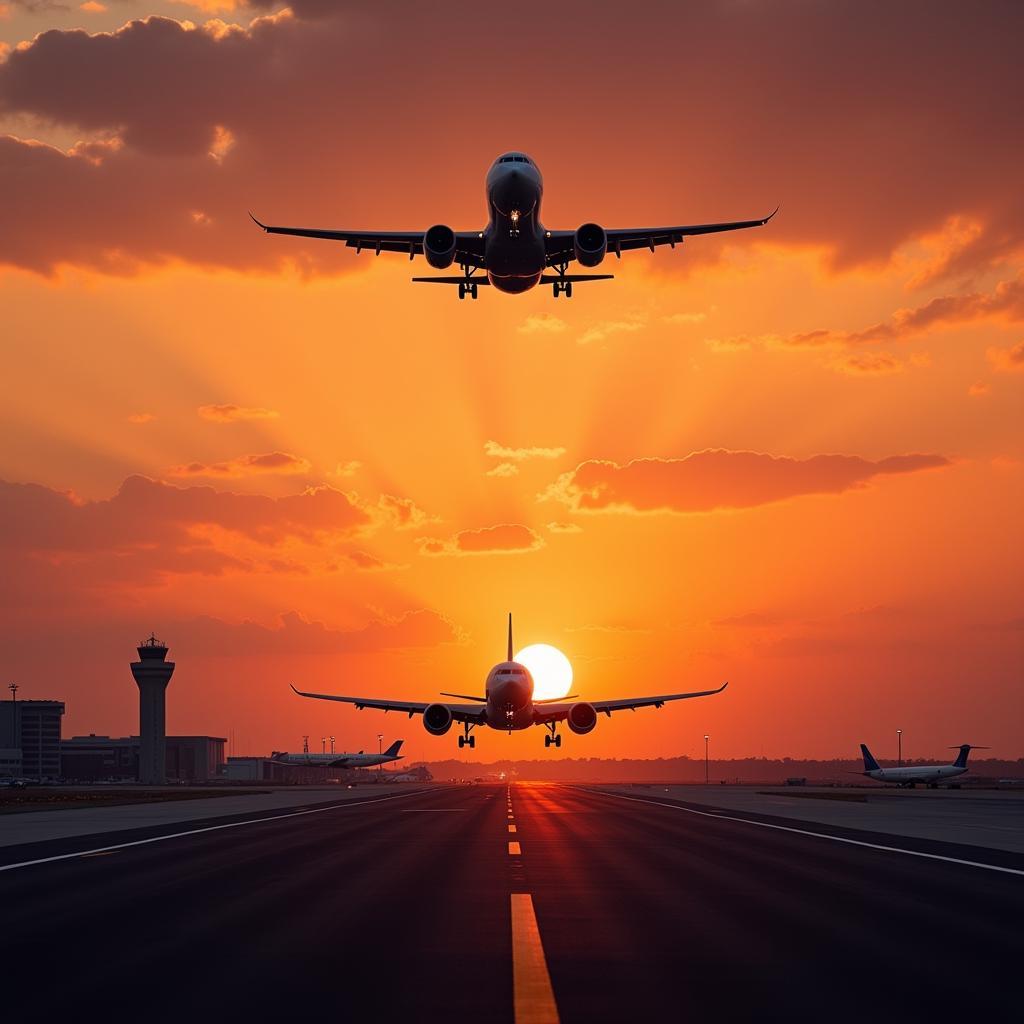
x: 561, y: 286
x: 468, y: 287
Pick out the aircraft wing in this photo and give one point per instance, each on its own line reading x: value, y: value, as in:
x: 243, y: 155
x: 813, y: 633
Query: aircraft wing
x: 460, y: 712
x: 469, y: 246
x: 560, y: 243
x: 557, y: 712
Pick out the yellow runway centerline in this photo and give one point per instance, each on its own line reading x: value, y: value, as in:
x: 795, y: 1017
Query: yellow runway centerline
x: 511, y: 828
x: 533, y: 997
x: 514, y: 849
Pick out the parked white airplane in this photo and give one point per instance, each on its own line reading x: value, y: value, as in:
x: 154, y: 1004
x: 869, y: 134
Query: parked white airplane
x: 932, y: 774
x: 508, y: 704
x: 360, y: 760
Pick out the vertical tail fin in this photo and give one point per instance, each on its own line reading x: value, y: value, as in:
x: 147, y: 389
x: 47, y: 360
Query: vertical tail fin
x: 961, y: 758
x: 509, y: 658
x: 393, y: 750
x: 870, y: 764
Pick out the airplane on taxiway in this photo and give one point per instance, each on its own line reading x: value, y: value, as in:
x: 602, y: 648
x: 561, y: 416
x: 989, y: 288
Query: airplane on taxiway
x: 508, y: 705
x: 910, y: 775
x: 360, y: 760
x: 515, y: 250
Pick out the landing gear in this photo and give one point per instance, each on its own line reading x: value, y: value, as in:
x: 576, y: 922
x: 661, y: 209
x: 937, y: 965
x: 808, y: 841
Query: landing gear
x: 468, y: 287
x: 554, y: 740
x: 561, y: 286
x: 466, y: 740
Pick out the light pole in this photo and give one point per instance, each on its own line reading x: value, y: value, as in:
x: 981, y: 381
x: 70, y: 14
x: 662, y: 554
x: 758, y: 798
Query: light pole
x: 332, y: 744
x: 899, y: 747
x: 380, y: 750
x: 706, y: 738
x: 323, y: 744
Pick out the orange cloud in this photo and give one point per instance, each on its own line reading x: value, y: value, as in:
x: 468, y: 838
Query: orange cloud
x: 245, y: 465
x: 404, y: 513
x: 717, y: 479
x: 233, y: 413
x: 506, y: 538
x: 513, y: 456
x: 141, y: 417
x: 1007, y: 360
x: 872, y: 364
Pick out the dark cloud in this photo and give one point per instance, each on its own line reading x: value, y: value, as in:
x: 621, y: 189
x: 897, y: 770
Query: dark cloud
x: 160, y: 519
x: 843, y: 113
x: 717, y: 479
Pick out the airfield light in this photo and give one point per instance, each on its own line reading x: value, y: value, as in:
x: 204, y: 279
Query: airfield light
x: 899, y: 747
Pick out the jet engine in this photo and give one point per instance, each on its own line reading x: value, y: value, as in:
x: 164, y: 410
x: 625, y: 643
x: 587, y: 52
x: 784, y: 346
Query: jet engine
x: 590, y: 243
x: 439, y: 246
x: 437, y: 719
x: 581, y: 718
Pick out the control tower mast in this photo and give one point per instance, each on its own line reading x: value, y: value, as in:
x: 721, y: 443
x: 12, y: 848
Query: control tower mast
x: 152, y: 673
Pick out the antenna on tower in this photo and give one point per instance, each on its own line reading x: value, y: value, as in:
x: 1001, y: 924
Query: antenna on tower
x: 13, y: 687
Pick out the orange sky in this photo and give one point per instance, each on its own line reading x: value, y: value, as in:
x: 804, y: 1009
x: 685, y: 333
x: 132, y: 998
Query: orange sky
x: 790, y: 458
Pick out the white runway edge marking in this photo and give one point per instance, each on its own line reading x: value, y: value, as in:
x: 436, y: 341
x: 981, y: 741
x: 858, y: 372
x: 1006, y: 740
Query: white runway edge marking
x: 198, y: 831
x: 820, y: 835
x: 533, y: 997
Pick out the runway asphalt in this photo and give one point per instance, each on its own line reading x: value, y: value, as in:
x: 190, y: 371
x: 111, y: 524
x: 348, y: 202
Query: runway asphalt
x: 495, y: 903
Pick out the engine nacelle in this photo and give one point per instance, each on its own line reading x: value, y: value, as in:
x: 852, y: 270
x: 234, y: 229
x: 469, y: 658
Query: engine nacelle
x: 437, y: 719
x: 439, y: 246
x: 590, y: 244
x: 581, y: 718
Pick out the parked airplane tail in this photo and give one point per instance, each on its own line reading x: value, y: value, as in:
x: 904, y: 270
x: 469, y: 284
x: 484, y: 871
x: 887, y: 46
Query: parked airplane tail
x: 870, y: 764
x: 965, y: 749
x: 393, y: 750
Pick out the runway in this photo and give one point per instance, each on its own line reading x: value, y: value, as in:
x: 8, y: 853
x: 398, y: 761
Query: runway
x: 495, y: 903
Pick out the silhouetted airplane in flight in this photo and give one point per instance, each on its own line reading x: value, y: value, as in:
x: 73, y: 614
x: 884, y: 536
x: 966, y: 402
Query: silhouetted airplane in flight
x: 515, y: 249
x: 360, y: 760
x: 508, y: 705
x: 910, y: 775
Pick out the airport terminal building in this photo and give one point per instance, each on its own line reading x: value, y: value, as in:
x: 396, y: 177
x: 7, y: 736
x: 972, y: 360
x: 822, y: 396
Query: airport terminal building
x: 30, y: 738
x: 100, y: 758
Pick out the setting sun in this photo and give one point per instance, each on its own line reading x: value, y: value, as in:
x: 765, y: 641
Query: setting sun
x: 550, y: 668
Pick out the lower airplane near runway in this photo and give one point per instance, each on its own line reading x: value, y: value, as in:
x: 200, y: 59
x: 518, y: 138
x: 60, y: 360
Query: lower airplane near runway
x: 508, y: 705
x: 359, y: 760
x: 515, y: 250
x: 930, y: 774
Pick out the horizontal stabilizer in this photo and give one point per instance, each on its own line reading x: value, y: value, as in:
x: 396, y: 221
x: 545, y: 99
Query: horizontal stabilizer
x: 575, y: 278
x: 451, y: 280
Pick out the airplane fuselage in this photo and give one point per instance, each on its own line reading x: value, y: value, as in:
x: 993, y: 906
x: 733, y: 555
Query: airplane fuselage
x: 514, y: 251
x: 920, y: 773
x: 509, y: 694
x: 334, y: 760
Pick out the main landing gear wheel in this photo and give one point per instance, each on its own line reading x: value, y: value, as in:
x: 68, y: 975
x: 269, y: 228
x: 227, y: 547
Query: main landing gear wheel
x: 466, y: 740
x: 552, y: 741
x: 560, y: 287
x: 468, y: 288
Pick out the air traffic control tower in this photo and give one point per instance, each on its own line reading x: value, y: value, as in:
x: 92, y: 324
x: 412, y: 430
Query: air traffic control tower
x: 152, y: 672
